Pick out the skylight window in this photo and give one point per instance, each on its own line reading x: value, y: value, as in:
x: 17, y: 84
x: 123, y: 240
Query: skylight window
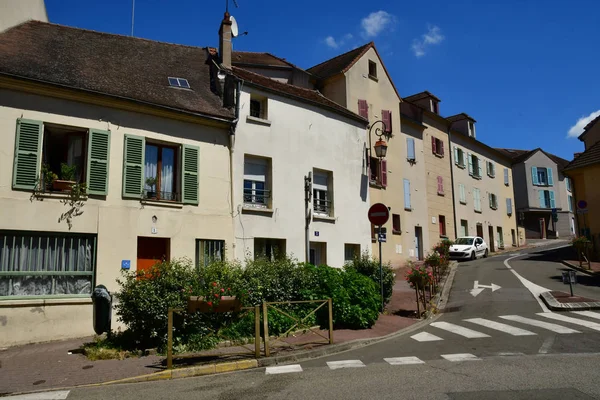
x: 179, y: 82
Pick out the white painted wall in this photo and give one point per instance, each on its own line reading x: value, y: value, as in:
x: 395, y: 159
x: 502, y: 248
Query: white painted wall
x: 302, y: 137
x: 14, y: 12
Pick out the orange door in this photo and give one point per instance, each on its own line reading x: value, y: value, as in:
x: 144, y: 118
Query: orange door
x: 150, y: 251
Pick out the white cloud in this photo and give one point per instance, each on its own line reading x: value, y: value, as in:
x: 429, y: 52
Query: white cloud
x: 375, y: 23
x: 330, y: 41
x: 433, y: 36
x: 577, y: 129
x: 334, y: 44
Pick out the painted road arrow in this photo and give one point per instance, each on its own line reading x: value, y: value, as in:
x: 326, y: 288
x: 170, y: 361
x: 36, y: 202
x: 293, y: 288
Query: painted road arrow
x: 477, y: 288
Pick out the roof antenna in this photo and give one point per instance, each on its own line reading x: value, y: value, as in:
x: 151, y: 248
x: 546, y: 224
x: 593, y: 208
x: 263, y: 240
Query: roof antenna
x: 227, y: 5
x: 132, y: 15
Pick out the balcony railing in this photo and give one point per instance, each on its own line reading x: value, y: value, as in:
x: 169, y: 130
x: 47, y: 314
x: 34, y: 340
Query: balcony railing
x: 258, y: 197
x: 322, y: 207
x: 160, y: 196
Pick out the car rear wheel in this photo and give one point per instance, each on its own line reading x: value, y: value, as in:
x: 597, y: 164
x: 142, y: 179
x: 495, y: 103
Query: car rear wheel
x: 485, y: 254
x: 473, y: 256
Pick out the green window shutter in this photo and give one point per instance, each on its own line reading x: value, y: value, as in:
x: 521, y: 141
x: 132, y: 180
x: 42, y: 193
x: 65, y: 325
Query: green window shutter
x: 28, y: 146
x: 98, y: 160
x: 133, y: 166
x: 190, y: 166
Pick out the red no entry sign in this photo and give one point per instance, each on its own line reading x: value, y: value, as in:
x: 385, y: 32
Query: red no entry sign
x: 379, y: 214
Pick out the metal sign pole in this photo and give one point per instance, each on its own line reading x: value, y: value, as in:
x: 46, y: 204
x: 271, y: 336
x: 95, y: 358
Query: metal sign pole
x: 380, y: 269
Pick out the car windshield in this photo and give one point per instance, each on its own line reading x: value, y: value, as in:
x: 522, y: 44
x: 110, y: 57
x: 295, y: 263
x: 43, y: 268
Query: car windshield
x: 464, y: 240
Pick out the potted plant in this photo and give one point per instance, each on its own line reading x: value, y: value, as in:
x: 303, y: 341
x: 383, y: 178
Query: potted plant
x: 67, y: 178
x: 48, y: 177
x: 151, y: 194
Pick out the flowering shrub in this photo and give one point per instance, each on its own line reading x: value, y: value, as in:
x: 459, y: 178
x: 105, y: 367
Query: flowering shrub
x: 419, y: 276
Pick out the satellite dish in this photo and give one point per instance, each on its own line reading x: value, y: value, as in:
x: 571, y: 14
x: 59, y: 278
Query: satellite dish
x: 234, y: 26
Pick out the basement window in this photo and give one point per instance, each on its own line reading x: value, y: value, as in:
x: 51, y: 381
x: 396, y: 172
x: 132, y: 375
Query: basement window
x: 179, y: 82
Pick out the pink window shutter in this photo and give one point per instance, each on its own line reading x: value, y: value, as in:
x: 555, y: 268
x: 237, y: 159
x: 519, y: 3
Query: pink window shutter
x: 433, y: 147
x: 440, y: 182
x: 383, y: 165
x: 386, y: 116
x: 363, y: 109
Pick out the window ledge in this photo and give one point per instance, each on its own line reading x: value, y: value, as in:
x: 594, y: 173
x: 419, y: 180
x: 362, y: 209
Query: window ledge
x: 376, y: 185
x: 325, y: 218
x: 438, y: 155
x: 396, y: 232
x: 476, y: 177
x: 259, y: 121
x: 408, y: 208
x: 159, y: 203
x: 440, y: 193
x: 463, y: 202
x: 58, y: 195
x: 261, y: 210
x: 41, y: 302
x: 478, y: 211
x: 460, y: 166
x: 412, y: 160
x: 373, y: 77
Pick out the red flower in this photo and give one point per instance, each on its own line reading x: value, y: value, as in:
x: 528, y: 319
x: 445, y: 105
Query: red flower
x: 216, y: 295
x: 209, y: 303
x: 222, y: 290
x: 214, y: 284
x: 228, y: 288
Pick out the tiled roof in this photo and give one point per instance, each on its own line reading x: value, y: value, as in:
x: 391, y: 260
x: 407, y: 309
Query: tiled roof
x: 341, y: 63
x: 589, y: 126
x: 459, y: 117
x: 522, y: 155
x: 589, y: 157
x: 296, y: 92
x: 423, y: 95
x: 264, y: 59
x: 114, y: 65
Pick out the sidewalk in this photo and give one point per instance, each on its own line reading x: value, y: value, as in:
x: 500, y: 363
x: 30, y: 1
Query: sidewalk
x: 55, y: 365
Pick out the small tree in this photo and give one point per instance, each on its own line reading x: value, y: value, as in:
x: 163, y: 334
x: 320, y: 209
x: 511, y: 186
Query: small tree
x: 581, y: 244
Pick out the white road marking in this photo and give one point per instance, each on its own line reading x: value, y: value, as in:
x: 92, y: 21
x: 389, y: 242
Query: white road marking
x: 461, y: 357
x: 283, y: 369
x: 547, y: 345
x: 535, y: 290
x: 511, y: 330
x: 57, y: 395
x: 425, y: 337
x: 404, y: 361
x: 459, y: 330
x: 590, y: 314
x: 345, y: 364
x: 510, y: 354
x: 559, y: 317
x: 540, y: 324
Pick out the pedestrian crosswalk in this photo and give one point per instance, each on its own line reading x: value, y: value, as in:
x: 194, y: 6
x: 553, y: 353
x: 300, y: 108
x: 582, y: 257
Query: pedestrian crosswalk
x: 511, y: 325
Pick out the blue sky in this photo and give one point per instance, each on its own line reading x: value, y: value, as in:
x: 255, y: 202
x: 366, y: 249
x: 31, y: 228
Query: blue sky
x: 526, y: 70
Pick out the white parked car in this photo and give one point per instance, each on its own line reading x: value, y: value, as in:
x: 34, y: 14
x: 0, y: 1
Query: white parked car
x: 468, y: 248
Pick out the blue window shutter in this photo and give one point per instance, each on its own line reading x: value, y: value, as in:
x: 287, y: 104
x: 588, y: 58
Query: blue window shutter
x: 470, y: 163
x: 534, y: 176
x: 410, y: 148
x: 542, y: 199
x: 550, y: 178
x: 506, y: 176
x: 407, y: 194
x: 509, y: 206
x: 552, y: 202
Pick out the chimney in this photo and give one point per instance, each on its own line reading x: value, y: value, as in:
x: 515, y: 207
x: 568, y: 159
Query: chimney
x: 225, y: 48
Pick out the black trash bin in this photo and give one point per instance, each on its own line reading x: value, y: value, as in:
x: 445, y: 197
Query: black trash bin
x: 102, y: 309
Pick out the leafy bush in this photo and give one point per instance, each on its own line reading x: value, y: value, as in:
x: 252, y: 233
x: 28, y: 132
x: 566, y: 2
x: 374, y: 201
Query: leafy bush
x: 369, y: 266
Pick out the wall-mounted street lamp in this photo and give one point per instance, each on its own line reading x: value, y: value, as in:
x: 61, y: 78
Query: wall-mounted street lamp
x: 380, y: 145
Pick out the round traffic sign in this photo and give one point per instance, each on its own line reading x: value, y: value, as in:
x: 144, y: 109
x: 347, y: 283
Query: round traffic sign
x: 581, y: 204
x: 379, y: 214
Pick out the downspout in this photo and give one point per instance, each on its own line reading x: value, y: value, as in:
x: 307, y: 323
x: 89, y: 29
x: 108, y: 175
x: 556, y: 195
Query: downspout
x: 452, y: 179
x: 231, y: 151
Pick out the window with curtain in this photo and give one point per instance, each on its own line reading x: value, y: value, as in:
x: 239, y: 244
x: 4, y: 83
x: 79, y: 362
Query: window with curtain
x: 160, y: 170
x: 46, y: 264
x: 256, y: 172
x: 209, y: 251
x: 321, y: 193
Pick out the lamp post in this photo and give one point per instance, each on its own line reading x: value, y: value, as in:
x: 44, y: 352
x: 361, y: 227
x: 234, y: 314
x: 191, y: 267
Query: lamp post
x: 380, y: 152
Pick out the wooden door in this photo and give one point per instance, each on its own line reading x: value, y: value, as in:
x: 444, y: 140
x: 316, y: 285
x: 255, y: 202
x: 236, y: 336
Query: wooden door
x: 150, y: 251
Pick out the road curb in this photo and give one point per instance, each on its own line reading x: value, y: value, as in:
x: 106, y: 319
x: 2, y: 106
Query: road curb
x: 576, y: 267
x: 555, y: 305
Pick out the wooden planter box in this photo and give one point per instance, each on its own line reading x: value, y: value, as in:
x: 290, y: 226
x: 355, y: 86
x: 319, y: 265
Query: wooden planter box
x: 63, y: 186
x: 226, y: 304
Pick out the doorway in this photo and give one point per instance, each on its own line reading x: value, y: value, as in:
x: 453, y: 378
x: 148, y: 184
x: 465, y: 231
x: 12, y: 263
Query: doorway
x: 542, y: 223
x: 419, y: 242
x: 151, y: 251
x: 513, y: 235
x: 480, y: 230
x: 492, y: 242
x: 318, y: 253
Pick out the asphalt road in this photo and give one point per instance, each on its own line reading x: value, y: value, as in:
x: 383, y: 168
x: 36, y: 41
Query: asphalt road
x: 500, y: 344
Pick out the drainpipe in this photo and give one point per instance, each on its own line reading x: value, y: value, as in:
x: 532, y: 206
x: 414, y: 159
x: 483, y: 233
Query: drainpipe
x: 452, y: 179
x: 231, y: 149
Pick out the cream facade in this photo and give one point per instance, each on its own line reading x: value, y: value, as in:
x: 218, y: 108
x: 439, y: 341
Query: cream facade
x: 395, y: 181
x: 53, y: 301
x: 15, y: 12
x: 483, y: 189
x: 272, y: 156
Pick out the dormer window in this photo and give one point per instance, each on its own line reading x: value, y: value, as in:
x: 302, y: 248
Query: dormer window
x: 179, y: 82
x: 471, y: 129
x: 372, y: 70
x: 435, y: 107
